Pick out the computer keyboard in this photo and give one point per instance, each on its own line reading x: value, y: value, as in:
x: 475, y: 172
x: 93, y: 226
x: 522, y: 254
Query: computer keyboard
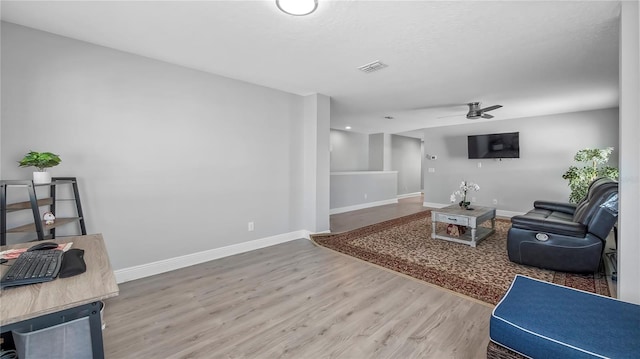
x: 33, y: 267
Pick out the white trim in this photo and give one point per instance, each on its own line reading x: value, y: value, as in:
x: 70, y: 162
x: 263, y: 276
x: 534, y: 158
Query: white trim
x: 362, y: 206
x: 407, y: 195
x: 499, y: 212
x: 507, y: 214
x: 166, y: 265
x: 362, y: 173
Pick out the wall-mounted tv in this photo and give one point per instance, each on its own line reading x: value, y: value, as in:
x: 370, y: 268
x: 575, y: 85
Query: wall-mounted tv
x: 495, y: 145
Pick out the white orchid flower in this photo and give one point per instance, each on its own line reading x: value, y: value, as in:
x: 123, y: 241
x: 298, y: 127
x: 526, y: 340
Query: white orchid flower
x: 465, y: 187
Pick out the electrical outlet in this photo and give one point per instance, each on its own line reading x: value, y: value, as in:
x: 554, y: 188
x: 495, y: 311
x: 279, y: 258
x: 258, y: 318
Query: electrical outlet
x: 250, y: 226
x: 365, y: 196
x: 473, y: 199
x: 495, y: 201
x: 432, y: 170
x: 479, y: 164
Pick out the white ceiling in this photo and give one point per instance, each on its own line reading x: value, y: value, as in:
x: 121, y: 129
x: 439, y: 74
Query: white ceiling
x: 532, y: 57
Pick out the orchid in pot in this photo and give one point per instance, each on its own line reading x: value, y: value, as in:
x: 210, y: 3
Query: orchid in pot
x: 465, y: 187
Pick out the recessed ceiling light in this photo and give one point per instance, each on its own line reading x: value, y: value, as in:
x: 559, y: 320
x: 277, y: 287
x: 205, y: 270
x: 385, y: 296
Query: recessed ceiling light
x: 297, y: 7
x: 347, y: 128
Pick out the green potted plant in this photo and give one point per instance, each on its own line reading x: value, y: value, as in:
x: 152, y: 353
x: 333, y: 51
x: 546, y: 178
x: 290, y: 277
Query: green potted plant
x: 42, y: 161
x: 595, y: 161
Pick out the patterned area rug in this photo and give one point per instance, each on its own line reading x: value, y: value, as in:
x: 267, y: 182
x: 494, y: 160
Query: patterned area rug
x: 484, y: 273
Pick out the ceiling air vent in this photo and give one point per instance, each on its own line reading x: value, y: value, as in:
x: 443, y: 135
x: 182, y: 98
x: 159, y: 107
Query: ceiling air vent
x: 372, y: 66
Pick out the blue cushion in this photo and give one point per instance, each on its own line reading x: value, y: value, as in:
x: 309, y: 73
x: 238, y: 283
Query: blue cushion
x: 545, y: 320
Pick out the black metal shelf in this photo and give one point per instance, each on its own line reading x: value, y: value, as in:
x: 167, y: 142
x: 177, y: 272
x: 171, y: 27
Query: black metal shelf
x: 38, y: 226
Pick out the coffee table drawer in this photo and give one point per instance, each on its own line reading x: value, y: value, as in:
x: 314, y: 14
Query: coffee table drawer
x: 453, y: 219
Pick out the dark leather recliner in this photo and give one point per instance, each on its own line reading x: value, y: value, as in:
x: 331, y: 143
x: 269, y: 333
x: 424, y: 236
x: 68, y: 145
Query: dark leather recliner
x: 563, y: 236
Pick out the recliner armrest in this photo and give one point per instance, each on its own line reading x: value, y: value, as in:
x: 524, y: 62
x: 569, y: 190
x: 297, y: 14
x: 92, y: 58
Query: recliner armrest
x: 564, y: 207
x: 573, y: 229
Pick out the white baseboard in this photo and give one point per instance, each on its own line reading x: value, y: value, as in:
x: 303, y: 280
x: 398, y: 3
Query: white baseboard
x: 407, y: 195
x: 362, y: 206
x: 507, y: 214
x: 166, y: 265
x: 499, y: 212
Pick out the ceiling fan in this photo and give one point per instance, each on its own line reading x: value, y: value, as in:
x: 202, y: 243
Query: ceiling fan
x: 476, y: 112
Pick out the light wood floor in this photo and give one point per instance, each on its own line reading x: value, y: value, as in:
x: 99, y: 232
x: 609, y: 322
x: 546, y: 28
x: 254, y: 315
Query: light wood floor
x: 293, y: 300
x: 363, y: 217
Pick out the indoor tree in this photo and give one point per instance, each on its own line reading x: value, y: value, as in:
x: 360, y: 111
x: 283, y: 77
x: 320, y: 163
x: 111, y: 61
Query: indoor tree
x: 594, y: 166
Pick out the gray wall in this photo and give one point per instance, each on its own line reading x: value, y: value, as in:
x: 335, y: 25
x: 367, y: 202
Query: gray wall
x: 352, y: 151
x: 349, y: 151
x: 350, y: 189
x: 379, y: 152
x: 169, y: 159
x: 316, y: 162
x: 376, y: 151
x: 406, y: 157
x: 547, y: 147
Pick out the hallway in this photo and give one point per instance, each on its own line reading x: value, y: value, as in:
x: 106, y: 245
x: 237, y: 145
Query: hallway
x: 363, y: 217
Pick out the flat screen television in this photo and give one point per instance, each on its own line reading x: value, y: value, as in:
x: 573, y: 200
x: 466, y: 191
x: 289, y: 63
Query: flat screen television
x: 495, y: 145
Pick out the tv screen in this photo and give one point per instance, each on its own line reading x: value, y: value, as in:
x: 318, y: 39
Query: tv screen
x: 496, y: 145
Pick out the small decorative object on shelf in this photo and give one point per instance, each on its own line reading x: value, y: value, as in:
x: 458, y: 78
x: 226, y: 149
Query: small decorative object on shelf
x: 49, y: 218
x: 42, y: 161
x: 465, y: 187
x: 455, y: 230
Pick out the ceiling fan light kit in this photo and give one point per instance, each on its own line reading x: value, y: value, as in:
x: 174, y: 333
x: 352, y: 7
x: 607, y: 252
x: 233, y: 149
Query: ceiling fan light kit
x: 297, y: 7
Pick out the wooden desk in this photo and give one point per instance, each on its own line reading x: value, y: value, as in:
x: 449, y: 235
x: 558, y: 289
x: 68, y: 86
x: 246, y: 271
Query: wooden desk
x: 37, y: 306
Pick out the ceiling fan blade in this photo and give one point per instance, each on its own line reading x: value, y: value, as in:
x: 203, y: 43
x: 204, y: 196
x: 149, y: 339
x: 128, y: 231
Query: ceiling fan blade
x: 440, y: 107
x: 486, y: 115
x: 490, y: 108
x: 458, y: 115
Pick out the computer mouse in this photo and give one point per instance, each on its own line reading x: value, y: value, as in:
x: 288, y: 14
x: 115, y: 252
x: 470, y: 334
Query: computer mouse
x: 43, y: 246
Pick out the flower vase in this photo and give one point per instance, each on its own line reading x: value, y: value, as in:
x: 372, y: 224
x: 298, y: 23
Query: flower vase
x: 464, y: 204
x: 41, y: 177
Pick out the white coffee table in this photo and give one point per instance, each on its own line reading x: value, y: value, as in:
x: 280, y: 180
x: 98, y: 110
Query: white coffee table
x: 463, y: 217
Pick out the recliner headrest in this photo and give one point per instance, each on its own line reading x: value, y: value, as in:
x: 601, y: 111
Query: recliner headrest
x: 598, y: 194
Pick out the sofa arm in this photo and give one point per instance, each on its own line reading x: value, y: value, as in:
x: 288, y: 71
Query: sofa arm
x: 563, y: 207
x: 573, y: 229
